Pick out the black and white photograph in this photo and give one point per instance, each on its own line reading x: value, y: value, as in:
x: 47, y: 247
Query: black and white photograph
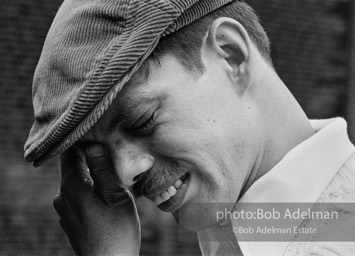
x: 177, y: 127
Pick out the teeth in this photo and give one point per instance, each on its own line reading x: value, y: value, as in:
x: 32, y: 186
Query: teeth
x: 171, y: 191
x: 158, y: 200
x: 167, y: 194
x: 178, y: 183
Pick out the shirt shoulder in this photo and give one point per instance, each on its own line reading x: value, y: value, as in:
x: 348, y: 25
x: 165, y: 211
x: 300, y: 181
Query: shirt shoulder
x: 339, y: 193
x: 341, y: 188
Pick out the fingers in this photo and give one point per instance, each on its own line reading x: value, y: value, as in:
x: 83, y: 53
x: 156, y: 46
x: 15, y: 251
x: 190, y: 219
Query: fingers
x: 100, y: 166
x: 76, y: 181
x: 100, y: 181
x: 76, y: 184
x: 58, y: 204
x: 94, y: 224
x: 102, y: 173
x: 72, y: 163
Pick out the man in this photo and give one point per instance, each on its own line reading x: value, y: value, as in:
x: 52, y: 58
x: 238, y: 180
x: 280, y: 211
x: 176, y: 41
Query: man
x: 176, y: 101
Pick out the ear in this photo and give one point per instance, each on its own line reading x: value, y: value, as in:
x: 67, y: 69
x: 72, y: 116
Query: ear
x: 230, y: 41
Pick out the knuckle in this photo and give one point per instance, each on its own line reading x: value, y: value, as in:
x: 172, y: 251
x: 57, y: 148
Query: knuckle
x: 63, y: 190
x: 57, y: 203
x: 99, y: 166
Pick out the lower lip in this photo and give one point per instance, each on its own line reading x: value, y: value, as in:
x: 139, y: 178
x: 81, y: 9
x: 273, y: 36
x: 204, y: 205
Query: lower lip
x: 174, y: 203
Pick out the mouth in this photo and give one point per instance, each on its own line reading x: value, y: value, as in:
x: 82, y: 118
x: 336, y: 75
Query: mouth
x: 172, y: 198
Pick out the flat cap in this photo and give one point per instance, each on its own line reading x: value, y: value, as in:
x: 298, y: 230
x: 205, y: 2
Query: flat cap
x: 92, y: 49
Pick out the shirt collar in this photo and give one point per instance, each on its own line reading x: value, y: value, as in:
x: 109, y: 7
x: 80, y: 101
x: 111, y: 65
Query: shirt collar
x: 301, y: 176
x: 316, y: 159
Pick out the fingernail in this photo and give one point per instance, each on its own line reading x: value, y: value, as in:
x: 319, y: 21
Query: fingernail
x: 95, y: 150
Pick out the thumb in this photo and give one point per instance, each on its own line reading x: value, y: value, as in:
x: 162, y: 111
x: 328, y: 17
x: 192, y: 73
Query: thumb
x: 102, y: 172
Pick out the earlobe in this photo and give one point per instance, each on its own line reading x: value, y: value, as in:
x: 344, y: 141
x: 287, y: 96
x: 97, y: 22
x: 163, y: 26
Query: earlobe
x: 229, y: 40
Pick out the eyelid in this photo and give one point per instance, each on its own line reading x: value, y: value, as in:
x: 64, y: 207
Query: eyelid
x: 140, y: 120
x: 141, y: 125
x: 141, y: 116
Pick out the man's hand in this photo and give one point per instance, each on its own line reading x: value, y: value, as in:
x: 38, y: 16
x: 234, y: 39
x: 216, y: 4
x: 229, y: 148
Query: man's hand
x: 99, y: 217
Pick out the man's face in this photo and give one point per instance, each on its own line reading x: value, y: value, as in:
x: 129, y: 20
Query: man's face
x: 180, y: 140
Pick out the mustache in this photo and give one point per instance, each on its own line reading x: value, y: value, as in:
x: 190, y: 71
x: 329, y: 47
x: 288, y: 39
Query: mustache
x: 158, y: 177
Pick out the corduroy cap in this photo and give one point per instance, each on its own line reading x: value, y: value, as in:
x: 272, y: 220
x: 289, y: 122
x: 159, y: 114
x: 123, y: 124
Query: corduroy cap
x: 92, y: 49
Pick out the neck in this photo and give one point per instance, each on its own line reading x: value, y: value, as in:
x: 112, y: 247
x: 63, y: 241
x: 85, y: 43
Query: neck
x: 285, y: 126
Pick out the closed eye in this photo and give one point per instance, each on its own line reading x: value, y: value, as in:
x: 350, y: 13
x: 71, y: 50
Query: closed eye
x: 145, y: 126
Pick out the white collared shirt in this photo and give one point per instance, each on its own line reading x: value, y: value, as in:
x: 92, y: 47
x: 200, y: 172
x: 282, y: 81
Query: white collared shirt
x: 304, y: 175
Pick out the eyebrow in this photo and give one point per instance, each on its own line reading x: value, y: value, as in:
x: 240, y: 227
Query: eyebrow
x: 124, y: 108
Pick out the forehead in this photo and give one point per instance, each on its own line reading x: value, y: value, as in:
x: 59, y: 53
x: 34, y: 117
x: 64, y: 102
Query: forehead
x: 152, y: 78
x: 142, y: 86
x: 152, y: 82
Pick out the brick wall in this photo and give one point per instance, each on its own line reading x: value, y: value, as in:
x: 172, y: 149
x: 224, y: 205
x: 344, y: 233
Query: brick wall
x: 309, y: 48
x: 28, y: 223
x: 310, y: 51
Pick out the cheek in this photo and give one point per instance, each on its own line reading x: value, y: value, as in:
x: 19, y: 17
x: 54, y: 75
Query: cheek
x: 211, y: 147
x: 188, y: 142
x: 207, y: 152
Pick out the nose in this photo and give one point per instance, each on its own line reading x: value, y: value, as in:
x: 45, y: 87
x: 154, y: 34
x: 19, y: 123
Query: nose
x: 130, y: 161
